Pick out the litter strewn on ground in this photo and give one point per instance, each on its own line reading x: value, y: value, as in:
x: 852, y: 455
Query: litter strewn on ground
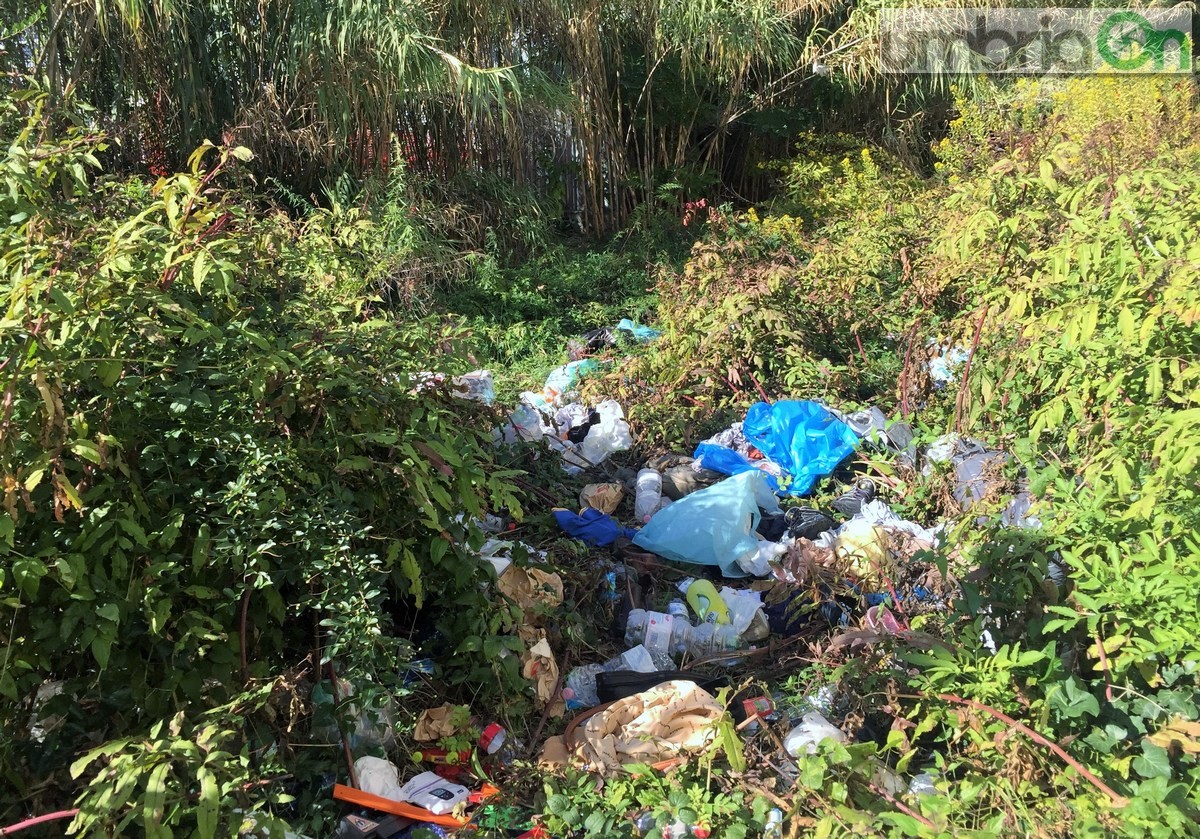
x: 766, y: 568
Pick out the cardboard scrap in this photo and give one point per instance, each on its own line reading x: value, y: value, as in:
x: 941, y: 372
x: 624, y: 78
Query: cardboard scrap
x: 529, y: 587
x: 602, y: 497
x: 435, y: 723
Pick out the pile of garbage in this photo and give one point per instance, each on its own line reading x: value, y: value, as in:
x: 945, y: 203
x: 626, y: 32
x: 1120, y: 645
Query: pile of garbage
x: 759, y: 567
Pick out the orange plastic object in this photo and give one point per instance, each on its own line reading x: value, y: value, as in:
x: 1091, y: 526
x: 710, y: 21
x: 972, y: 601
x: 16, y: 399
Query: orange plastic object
x: 397, y: 808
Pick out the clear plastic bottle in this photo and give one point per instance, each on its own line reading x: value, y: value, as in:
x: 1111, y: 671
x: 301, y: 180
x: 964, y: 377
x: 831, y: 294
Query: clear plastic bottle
x: 649, y: 494
x: 579, y: 690
x: 773, y: 829
x: 708, y: 639
x: 661, y: 632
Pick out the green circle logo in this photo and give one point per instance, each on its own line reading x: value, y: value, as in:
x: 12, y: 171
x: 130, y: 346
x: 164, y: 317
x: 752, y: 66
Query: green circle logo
x: 1120, y: 32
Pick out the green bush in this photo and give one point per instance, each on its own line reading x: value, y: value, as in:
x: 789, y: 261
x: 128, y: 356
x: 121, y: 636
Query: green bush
x: 215, y: 466
x: 1060, y: 245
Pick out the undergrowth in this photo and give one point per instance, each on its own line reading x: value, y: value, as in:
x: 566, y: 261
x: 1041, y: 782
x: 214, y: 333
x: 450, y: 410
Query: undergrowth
x: 220, y: 478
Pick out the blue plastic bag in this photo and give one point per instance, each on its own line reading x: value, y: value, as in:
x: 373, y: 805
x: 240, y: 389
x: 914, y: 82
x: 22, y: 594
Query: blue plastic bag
x: 640, y: 333
x: 712, y: 526
x: 592, y: 526
x: 801, y: 437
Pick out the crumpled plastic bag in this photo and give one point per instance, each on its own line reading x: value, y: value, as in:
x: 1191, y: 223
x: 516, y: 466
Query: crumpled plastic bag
x: 745, y: 610
x: 881, y: 515
x: 650, y: 726
x: 603, y: 497
x: 713, y: 526
x: 476, y: 385
x: 435, y: 723
x: 802, y: 438
x: 610, y: 434
x: 592, y: 526
x: 378, y: 777
x: 562, y: 381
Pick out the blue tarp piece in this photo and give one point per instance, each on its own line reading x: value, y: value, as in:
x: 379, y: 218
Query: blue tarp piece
x: 801, y: 437
x: 712, y: 526
x: 640, y: 333
x: 592, y: 526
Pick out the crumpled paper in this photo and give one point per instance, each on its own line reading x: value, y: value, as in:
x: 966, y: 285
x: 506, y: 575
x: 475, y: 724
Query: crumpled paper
x: 650, y: 726
x: 602, y: 497
x: 435, y: 723
x: 539, y: 666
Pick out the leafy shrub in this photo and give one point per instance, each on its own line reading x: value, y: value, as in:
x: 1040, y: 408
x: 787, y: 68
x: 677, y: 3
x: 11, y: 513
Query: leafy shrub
x: 1060, y: 246
x: 215, y: 466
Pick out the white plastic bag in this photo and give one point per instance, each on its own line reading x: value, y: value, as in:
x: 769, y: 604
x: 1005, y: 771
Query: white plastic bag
x: 813, y: 728
x: 610, y: 435
x: 378, y: 777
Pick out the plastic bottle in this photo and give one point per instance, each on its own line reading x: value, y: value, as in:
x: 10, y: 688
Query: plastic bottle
x: 710, y: 608
x: 649, y: 494
x: 708, y: 639
x: 661, y: 633
x: 773, y: 829
x: 813, y: 728
x: 579, y: 690
x: 678, y: 609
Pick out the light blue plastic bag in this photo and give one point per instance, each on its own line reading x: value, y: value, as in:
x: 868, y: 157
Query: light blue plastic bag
x: 713, y: 526
x: 802, y: 437
x: 640, y: 333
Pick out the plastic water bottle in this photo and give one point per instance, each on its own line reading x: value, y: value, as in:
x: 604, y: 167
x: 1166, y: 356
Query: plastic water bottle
x: 773, y: 829
x: 661, y: 633
x: 664, y: 633
x: 579, y: 690
x: 709, y: 638
x: 649, y: 494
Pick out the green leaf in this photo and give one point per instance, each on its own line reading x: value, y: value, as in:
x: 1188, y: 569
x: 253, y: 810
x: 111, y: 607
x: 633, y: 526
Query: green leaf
x: 68, y: 490
x: 87, y: 450
x: 208, y: 807
x: 1154, y: 762
x: 199, y: 269
x: 412, y: 573
x: 200, y: 547
x: 155, y: 802
x: 101, y: 647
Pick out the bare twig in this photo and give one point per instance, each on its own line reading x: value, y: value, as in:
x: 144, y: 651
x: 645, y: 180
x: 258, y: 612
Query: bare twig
x: 900, y: 805
x: 242, y: 635
x: 963, y: 389
x: 337, y: 701
x: 1117, y: 799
